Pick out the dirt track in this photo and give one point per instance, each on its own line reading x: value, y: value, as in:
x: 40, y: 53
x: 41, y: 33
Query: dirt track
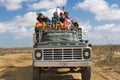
x: 18, y: 67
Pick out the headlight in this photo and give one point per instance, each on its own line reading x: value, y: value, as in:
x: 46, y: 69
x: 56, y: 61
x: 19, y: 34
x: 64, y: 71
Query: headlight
x: 87, y: 53
x: 38, y: 54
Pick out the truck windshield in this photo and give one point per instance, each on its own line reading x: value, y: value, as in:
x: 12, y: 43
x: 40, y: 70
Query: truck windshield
x: 59, y: 37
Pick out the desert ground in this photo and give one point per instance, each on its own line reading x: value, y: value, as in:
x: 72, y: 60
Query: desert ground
x: 16, y: 64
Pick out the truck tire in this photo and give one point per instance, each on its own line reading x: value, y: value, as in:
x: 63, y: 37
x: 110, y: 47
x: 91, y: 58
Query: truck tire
x: 36, y: 73
x: 86, y: 73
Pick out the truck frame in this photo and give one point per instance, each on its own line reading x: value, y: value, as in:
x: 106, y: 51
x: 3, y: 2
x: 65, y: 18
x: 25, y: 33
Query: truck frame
x: 59, y: 49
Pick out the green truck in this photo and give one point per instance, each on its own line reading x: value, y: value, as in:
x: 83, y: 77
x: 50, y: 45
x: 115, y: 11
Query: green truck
x: 62, y: 49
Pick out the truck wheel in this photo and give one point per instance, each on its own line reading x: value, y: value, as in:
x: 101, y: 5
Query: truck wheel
x: 36, y: 73
x: 86, y: 73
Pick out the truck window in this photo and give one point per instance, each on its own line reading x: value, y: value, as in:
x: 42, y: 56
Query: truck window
x: 59, y: 37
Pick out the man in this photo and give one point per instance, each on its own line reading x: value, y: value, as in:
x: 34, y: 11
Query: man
x: 62, y: 20
x: 40, y: 25
x: 56, y: 21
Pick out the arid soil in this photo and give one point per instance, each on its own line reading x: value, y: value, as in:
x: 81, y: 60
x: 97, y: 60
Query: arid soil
x: 19, y: 67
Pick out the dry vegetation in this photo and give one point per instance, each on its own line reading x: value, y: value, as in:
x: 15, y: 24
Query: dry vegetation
x: 102, y: 53
x: 105, y: 59
x: 4, y: 51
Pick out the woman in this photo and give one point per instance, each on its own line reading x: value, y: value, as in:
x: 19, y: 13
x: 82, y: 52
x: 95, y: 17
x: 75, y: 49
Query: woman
x: 68, y: 21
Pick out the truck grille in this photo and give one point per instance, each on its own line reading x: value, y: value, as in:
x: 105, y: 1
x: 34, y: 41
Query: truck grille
x: 62, y: 54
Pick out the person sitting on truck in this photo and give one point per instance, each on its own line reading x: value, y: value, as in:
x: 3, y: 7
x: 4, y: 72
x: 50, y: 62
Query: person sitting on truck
x: 56, y: 21
x: 40, y: 25
x: 48, y: 22
x: 68, y: 21
x: 62, y: 20
x: 76, y: 25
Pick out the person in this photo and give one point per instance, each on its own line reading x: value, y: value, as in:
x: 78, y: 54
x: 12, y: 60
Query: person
x: 40, y: 25
x: 76, y: 25
x: 55, y: 21
x: 62, y: 20
x: 46, y: 19
x: 48, y: 22
x: 68, y: 21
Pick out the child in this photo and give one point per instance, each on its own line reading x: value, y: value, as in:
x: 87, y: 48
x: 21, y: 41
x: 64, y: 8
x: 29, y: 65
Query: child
x: 55, y: 21
x: 48, y: 22
x: 40, y: 25
x: 68, y: 21
x: 62, y: 20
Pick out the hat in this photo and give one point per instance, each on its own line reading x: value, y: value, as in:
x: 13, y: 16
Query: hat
x: 66, y: 12
x: 61, y: 13
x: 40, y: 14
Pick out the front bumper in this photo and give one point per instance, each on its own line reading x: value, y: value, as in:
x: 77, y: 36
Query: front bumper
x: 62, y: 64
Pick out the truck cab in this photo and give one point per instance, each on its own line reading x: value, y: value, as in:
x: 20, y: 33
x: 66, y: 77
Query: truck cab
x: 59, y: 49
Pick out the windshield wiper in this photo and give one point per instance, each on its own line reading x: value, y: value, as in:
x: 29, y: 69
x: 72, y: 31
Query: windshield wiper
x: 46, y: 40
x: 64, y: 39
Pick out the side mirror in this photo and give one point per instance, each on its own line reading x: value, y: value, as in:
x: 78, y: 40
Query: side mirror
x: 80, y: 40
x: 86, y: 41
x: 89, y: 45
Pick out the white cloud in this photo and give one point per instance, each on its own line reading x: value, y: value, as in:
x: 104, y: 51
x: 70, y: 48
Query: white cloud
x: 49, y: 13
x: 109, y: 28
x: 47, y: 4
x: 112, y: 31
x: 24, y: 33
x: 86, y: 27
x: 97, y: 34
x: 20, y: 26
x: 2, y: 28
x: 12, y: 4
x: 101, y: 9
x: 26, y: 20
x: 23, y: 26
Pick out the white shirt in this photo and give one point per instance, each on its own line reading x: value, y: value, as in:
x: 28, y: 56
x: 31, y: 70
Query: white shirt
x: 68, y: 23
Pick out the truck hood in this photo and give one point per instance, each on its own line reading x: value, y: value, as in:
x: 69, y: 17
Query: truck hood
x: 62, y: 44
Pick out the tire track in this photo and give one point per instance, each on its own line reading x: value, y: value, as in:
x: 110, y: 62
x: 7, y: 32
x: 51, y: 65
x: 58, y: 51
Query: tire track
x: 103, y: 75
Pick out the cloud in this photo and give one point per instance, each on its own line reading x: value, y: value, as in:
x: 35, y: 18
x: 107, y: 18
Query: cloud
x: 111, y: 31
x: 98, y: 34
x: 49, y: 13
x: 101, y: 9
x: 2, y: 28
x: 12, y: 4
x: 86, y: 27
x: 109, y: 28
x: 20, y: 26
x: 26, y: 20
x: 47, y: 4
x: 23, y: 33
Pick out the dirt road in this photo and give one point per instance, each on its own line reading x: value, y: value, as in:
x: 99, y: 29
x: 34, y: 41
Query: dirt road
x: 18, y: 67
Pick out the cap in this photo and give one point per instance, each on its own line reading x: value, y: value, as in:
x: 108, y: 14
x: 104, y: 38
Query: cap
x: 40, y: 14
x: 66, y: 12
x: 61, y: 13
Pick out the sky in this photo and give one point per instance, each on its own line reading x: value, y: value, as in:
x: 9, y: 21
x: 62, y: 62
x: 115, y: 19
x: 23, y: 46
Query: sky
x: 100, y: 18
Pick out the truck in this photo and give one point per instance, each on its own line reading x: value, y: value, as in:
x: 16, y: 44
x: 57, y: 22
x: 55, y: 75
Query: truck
x: 62, y: 49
